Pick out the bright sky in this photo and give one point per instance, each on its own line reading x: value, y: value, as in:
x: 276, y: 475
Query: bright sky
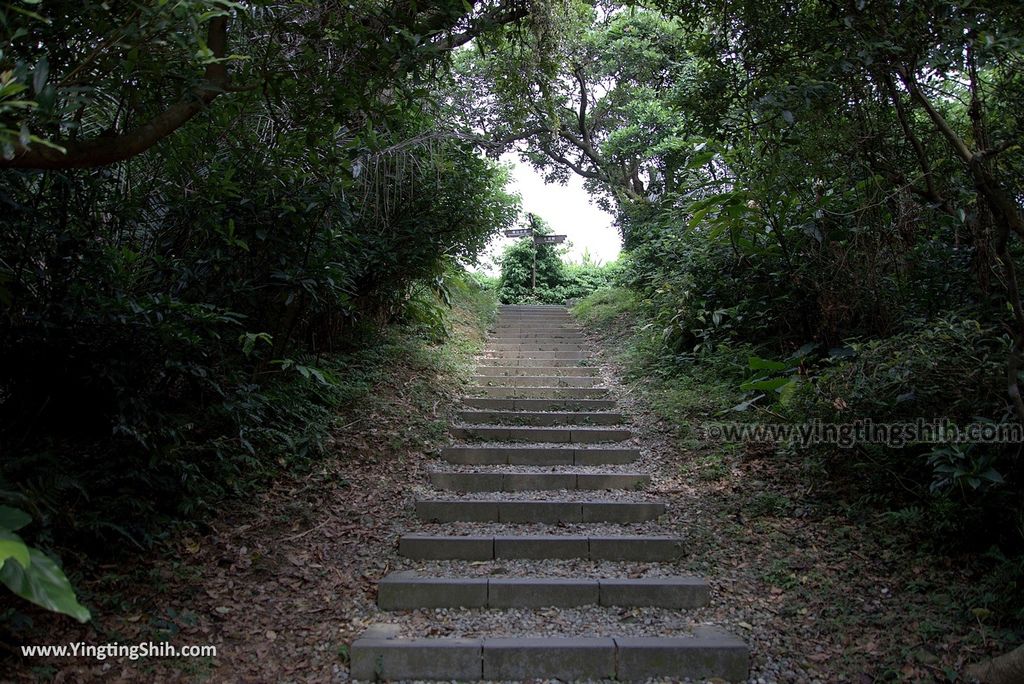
x: 567, y: 208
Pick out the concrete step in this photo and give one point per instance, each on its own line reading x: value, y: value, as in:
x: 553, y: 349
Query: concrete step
x: 579, y: 435
x: 516, y: 344
x: 506, y: 392
x: 496, y: 361
x: 537, y: 511
x: 529, y: 313
x: 544, y: 329
x: 538, y: 381
x: 532, y: 346
x: 516, y: 328
x: 533, y: 371
x: 508, y: 314
x: 647, y: 549
x: 538, y: 456
x: 535, y: 320
x: 707, y: 654
x: 562, y: 336
x: 542, y: 480
x: 408, y: 591
x: 562, y: 355
x: 521, y: 404
x: 541, y: 418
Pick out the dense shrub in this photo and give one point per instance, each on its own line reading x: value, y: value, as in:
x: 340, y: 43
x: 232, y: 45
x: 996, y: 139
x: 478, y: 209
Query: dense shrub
x: 556, y: 281
x: 181, y: 321
x: 951, y: 367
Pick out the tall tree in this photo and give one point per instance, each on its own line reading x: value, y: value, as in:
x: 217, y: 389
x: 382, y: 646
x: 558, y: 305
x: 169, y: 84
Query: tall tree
x: 93, y: 83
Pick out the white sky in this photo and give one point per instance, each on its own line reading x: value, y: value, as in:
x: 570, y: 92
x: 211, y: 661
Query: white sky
x: 567, y: 208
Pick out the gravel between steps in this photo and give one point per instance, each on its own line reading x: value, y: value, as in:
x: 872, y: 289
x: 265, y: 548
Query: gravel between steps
x: 446, y: 467
x: 663, y: 527
x: 427, y: 493
x: 571, y: 567
x: 666, y: 485
x: 543, y: 622
x: 685, y: 519
x: 631, y: 443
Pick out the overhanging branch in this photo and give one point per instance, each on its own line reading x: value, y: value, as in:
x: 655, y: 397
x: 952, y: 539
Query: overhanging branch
x: 109, y: 149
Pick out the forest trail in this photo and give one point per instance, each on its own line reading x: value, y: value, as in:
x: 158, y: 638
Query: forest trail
x: 542, y: 544
x: 284, y: 582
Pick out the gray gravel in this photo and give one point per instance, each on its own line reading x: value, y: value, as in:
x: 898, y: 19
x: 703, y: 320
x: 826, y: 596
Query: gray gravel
x: 445, y: 466
x: 545, y: 568
x: 426, y: 493
x: 540, y: 622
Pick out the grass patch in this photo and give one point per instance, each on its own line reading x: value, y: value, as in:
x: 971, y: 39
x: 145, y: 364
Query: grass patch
x: 606, y: 305
x: 711, y: 467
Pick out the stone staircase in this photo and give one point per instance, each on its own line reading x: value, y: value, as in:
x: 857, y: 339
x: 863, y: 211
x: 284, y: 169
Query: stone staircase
x: 537, y: 403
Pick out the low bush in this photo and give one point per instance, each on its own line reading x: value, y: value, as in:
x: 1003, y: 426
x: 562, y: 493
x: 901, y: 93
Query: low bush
x: 955, y: 498
x: 557, y: 281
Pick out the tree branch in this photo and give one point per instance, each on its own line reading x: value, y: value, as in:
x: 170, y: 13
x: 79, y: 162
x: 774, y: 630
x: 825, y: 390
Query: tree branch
x: 108, y: 149
x: 954, y: 140
x: 483, y: 23
x: 575, y: 167
x: 581, y: 79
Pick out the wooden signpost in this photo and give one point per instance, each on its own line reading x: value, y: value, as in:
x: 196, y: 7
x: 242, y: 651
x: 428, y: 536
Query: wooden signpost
x: 537, y: 240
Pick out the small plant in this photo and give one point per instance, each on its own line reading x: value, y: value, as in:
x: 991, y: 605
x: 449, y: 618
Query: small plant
x: 961, y: 468
x: 30, y: 573
x: 712, y: 467
x: 778, y: 379
x: 767, y: 504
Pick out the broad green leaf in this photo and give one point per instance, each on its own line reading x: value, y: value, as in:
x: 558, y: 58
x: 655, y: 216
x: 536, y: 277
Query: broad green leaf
x: 992, y: 475
x: 698, y: 216
x: 786, y: 391
x: 766, y: 385
x: 13, y: 518
x: 11, y: 546
x: 40, y: 74
x: 44, y: 584
x: 757, y: 363
x: 699, y: 160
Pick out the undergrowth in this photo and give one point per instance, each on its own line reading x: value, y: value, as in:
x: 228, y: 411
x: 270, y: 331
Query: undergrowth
x: 90, y: 515
x: 888, y: 492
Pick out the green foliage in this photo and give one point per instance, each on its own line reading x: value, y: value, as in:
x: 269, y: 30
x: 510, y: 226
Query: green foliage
x: 30, y: 573
x: 951, y: 368
x: 606, y: 304
x: 821, y: 216
x: 956, y: 467
x: 182, y: 321
x: 556, y: 281
x: 519, y: 261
